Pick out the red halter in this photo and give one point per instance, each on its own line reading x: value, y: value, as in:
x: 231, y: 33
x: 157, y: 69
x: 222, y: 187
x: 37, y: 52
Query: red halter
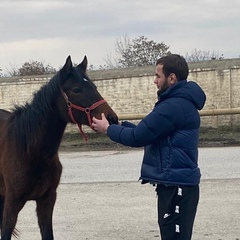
x: 87, y: 110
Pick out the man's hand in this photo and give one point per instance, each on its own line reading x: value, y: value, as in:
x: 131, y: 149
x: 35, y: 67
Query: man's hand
x: 100, y: 125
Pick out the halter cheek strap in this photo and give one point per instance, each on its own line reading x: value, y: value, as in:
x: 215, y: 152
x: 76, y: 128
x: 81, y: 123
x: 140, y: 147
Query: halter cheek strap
x: 87, y: 110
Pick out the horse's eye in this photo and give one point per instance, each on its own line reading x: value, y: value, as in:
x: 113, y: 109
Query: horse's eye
x: 76, y: 90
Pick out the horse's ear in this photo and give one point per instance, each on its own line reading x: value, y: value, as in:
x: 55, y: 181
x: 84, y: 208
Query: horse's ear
x: 83, y: 64
x: 66, y: 69
x: 68, y: 65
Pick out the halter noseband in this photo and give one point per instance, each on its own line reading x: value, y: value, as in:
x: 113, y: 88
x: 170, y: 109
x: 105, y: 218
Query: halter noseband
x: 87, y: 110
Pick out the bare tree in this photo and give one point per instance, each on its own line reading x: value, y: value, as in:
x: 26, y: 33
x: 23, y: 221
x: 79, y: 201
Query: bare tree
x: 199, y: 55
x: 12, y: 71
x: 111, y: 62
x: 137, y: 52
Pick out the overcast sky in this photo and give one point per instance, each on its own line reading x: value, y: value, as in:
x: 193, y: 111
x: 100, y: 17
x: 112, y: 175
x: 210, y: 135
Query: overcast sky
x: 49, y: 31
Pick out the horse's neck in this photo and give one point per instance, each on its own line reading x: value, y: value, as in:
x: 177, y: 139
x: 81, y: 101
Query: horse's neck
x: 53, y: 136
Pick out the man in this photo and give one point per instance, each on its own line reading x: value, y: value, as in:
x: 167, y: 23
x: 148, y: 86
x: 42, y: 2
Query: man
x: 170, y: 134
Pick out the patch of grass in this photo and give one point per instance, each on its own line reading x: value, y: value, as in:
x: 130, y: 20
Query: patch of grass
x: 96, y: 141
x: 225, y: 136
x: 209, y: 137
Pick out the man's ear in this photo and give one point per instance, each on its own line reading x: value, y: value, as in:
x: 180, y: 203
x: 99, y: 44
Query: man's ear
x: 173, y: 78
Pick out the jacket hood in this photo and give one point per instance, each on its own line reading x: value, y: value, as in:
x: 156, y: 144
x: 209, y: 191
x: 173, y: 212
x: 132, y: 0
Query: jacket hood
x: 188, y: 90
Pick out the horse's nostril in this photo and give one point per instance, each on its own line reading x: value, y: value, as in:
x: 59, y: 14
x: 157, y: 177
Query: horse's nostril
x: 112, y: 120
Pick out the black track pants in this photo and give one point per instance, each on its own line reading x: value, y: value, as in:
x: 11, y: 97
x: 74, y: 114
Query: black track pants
x: 177, y: 206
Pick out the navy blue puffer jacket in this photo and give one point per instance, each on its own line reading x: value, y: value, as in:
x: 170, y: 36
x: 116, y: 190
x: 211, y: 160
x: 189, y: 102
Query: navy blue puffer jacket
x: 169, y: 134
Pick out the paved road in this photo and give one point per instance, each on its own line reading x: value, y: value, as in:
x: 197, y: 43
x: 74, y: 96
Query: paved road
x: 100, y: 198
x: 111, y: 166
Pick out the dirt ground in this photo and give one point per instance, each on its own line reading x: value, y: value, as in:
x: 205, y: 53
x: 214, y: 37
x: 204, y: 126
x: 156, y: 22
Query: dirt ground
x: 91, y: 209
x: 97, y: 211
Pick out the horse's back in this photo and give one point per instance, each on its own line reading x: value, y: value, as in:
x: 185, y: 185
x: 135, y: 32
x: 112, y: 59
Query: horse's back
x: 4, y: 115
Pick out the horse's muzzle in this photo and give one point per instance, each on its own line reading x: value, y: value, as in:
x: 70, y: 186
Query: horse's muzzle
x: 112, y: 120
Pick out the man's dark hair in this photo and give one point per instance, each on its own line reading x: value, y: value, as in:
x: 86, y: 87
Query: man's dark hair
x: 176, y: 64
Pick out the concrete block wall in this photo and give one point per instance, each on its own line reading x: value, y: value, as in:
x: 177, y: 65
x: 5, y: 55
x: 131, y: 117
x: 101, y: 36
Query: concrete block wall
x: 18, y: 91
x: 132, y: 91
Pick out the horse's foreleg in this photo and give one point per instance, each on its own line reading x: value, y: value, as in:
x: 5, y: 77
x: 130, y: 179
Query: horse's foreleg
x: 1, y: 210
x: 10, y: 213
x: 45, y: 207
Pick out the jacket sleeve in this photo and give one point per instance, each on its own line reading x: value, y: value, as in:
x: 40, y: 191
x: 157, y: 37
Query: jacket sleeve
x: 159, y: 123
x: 128, y: 124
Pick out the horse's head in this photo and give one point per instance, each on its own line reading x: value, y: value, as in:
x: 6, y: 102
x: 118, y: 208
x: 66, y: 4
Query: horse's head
x: 80, y: 96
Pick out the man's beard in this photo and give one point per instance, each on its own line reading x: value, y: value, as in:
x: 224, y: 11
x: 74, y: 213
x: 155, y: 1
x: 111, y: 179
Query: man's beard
x: 163, y: 88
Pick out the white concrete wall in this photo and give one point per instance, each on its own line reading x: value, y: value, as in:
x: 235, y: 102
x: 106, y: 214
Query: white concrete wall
x: 131, y: 91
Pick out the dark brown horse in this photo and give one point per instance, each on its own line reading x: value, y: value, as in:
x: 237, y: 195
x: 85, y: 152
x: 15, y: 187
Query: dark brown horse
x: 30, y: 137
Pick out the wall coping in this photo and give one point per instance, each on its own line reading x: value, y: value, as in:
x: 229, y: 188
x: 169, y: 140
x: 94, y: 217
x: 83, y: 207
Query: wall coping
x: 96, y: 75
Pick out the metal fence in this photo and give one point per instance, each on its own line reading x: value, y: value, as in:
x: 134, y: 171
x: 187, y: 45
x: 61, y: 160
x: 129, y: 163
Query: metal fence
x: 211, y: 112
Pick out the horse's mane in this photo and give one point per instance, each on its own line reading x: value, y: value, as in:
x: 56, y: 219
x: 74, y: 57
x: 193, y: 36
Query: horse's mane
x: 28, y: 121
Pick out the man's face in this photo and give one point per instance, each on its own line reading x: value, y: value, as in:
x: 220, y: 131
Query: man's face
x: 162, y: 82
